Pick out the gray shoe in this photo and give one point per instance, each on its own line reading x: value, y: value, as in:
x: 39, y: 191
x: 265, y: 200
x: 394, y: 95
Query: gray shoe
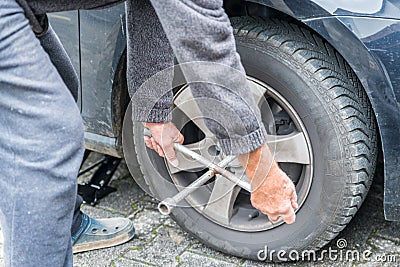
x: 101, y: 233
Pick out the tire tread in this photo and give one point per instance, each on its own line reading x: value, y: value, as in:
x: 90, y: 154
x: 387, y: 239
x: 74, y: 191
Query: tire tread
x: 345, y: 96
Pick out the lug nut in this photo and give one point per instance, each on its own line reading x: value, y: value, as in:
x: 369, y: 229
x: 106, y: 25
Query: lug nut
x: 254, y: 215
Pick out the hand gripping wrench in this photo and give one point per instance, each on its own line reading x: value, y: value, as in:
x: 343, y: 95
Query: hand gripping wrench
x: 167, y: 205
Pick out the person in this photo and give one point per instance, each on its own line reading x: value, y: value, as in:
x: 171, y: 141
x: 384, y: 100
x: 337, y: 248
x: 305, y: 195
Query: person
x: 86, y: 233
x: 42, y: 133
x: 36, y: 194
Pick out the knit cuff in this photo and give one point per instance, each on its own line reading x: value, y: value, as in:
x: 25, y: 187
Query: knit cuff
x: 244, y: 144
x: 150, y: 115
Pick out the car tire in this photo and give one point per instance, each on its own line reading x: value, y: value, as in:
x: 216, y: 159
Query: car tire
x: 336, y: 113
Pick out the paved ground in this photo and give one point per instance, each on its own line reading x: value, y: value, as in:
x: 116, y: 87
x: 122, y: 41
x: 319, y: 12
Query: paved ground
x: 160, y: 242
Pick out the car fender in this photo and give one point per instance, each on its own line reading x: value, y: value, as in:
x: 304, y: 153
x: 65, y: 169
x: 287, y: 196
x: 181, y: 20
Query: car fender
x: 371, y: 73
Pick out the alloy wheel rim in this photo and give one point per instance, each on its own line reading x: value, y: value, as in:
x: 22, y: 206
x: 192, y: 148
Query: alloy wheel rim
x: 221, y: 201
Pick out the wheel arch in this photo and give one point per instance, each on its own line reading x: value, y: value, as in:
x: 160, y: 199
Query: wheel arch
x: 368, y: 68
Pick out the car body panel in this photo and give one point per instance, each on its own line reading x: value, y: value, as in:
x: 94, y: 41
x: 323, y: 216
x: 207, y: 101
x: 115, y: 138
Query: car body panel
x: 96, y: 40
x: 103, y: 41
x: 377, y: 8
x: 68, y: 24
x: 374, y: 70
x: 365, y: 33
x: 306, y: 9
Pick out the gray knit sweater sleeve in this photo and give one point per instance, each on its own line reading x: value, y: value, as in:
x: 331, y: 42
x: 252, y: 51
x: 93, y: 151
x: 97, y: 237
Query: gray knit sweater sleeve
x: 201, y: 36
x: 149, y: 54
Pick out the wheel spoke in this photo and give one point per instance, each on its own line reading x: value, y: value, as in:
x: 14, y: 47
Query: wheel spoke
x: 220, y: 203
x: 186, y: 103
x: 290, y: 148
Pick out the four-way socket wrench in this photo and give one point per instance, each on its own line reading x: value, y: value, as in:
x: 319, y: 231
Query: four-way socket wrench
x: 167, y: 205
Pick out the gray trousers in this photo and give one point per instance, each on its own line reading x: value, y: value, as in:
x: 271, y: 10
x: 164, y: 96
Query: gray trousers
x: 41, y: 146
x: 41, y: 141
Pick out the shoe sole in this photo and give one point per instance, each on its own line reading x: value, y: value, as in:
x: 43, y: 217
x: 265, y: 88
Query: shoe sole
x: 120, y: 239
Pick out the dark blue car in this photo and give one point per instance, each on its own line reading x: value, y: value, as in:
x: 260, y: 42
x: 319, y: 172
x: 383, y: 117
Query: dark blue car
x: 328, y: 71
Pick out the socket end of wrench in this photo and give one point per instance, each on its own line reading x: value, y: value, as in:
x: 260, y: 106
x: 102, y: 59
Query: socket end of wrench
x: 166, y: 206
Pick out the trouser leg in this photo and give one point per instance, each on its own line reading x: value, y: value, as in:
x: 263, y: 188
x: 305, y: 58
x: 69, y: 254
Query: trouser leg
x: 77, y: 218
x: 199, y: 30
x: 60, y: 59
x: 41, y: 147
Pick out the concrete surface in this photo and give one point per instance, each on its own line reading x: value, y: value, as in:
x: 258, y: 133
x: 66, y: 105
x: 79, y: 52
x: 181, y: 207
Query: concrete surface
x: 160, y: 242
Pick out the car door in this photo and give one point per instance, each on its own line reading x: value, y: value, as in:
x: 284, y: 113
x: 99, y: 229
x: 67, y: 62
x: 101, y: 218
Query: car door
x: 66, y: 24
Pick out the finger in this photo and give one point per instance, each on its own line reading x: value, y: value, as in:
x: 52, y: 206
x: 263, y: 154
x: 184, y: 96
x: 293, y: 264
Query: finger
x: 293, y: 201
x: 154, y: 144
x: 289, y: 217
x: 160, y: 151
x: 170, y: 155
x: 180, y: 139
x: 273, y: 218
x: 295, y: 205
x: 147, y: 142
x: 289, y: 188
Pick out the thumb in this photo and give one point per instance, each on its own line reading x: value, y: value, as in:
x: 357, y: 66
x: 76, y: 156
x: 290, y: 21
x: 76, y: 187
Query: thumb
x: 170, y: 155
x: 181, y: 139
x: 289, y: 217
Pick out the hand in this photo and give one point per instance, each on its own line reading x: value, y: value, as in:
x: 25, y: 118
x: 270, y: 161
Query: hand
x: 164, y: 135
x: 273, y: 193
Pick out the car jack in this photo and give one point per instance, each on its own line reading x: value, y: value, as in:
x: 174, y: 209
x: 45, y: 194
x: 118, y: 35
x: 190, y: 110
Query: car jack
x: 98, y: 187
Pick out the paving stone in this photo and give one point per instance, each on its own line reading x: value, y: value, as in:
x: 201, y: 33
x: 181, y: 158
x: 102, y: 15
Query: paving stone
x: 171, y: 223
x: 378, y: 264
x: 162, y: 251
x: 122, y: 169
x: 384, y: 245
x: 99, y: 258
x: 123, y: 200
x: 145, y: 223
x: 190, y: 259
x: 390, y: 230
x: 177, y: 233
x: 123, y: 262
x: 146, y: 203
x: 202, y: 249
x: 383, y: 259
x: 325, y: 263
x: 97, y: 212
x: 249, y: 263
